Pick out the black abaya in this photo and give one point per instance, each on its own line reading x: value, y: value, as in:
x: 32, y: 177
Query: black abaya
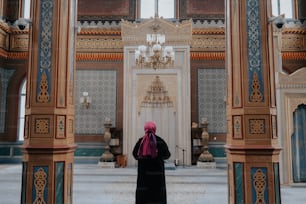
x: 151, y: 183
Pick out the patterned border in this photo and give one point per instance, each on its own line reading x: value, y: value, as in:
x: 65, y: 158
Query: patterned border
x: 254, y: 45
x: 45, y: 44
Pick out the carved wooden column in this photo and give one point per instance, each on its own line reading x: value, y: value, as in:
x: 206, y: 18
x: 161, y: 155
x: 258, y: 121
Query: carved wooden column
x: 252, y: 145
x: 49, y: 133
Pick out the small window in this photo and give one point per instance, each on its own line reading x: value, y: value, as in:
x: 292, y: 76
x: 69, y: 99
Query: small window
x: 161, y: 8
x: 21, y: 114
x: 26, y: 5
x: 282, y: 7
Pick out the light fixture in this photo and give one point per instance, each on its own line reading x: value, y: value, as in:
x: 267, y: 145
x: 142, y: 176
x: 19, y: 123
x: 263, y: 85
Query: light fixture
x: 154, y: 54
x: 85, y: 100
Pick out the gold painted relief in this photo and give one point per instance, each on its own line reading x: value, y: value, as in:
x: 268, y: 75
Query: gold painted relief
x: 237, y: 127
x: 257, y: 126
x: 43, y: 96
x: 42, y: 126
x: 259, y: 185
x: 274, y: 126
x: 70, y: 126
x: 61, y: 126
x: 157, y: 90
x: 157, y: 95
x: 40, y: 182
x: 26, y: 127
x: 256, y: 96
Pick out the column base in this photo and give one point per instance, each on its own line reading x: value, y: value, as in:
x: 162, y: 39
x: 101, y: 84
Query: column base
x: 206, y: 165
x: 109, y: 165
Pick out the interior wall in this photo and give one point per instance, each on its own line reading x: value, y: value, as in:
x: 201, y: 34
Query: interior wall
x: 132, y: 130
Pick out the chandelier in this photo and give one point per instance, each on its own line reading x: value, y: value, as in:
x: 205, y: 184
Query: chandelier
x: 155, y: 54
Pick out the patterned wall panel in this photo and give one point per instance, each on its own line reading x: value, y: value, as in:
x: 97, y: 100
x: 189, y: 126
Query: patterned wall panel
x: 101, y: 86
x: 254, y: 51
x: 5, y: 76
x: 211, y: 98
x: 45, y: 52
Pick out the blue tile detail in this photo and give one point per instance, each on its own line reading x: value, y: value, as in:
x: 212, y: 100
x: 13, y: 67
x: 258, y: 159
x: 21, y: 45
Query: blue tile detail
x: 45, y: 43
x: 254, y: 49
x: 59, y: 182
x: 238, y: 178
x: 276, y: 183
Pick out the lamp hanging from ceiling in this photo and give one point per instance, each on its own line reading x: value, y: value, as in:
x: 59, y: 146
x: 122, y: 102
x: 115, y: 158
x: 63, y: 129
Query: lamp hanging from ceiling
x: 154, y: 54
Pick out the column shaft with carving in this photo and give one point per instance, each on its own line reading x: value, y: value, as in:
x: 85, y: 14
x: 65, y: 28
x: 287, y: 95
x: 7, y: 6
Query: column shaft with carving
x: 49, y: 146
x: 252, y: 145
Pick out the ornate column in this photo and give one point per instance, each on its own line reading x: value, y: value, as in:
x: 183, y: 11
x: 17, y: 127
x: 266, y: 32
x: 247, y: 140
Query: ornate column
x: 49, y: 133
x: 252, y: 144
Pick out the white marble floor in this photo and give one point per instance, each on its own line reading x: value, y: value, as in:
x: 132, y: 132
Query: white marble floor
x: 95, y: 185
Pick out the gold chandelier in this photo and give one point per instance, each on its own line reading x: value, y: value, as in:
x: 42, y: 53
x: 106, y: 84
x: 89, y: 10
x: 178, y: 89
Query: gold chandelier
x: 155, y: 54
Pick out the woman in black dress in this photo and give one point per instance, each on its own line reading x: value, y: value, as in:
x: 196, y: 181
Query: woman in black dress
x: 151, y: 151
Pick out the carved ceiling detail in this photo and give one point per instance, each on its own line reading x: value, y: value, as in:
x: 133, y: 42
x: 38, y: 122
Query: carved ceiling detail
x: 294, y: 80
x: 136, y: 33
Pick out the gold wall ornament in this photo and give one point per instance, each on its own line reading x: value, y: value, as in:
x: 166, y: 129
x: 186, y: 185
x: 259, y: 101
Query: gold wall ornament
x: 42, y: 126
x: 257, y: 126
x: 43, y: 96
x: 40, y: 182
x: 157, y: 95
x: 259, y: 185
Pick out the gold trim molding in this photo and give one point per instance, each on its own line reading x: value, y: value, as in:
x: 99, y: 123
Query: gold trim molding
x: 99, y: 56
x: 294, y: 55
x: 207, y: 55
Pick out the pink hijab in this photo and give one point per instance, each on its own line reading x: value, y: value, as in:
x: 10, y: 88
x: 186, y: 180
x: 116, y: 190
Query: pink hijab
x: 148, y: 143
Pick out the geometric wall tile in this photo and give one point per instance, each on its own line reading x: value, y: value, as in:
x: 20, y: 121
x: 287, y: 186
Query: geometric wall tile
x: 101, y: 86
x: 211, y: 98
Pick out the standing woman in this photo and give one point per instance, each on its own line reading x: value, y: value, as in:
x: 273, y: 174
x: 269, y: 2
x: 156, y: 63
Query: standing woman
x: 151, y: 151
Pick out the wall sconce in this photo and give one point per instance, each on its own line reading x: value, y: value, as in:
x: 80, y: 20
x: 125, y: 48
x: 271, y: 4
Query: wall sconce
x: 85, y: 100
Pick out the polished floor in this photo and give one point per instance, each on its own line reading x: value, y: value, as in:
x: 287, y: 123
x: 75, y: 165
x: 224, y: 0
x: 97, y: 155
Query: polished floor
x: 96, y: 185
